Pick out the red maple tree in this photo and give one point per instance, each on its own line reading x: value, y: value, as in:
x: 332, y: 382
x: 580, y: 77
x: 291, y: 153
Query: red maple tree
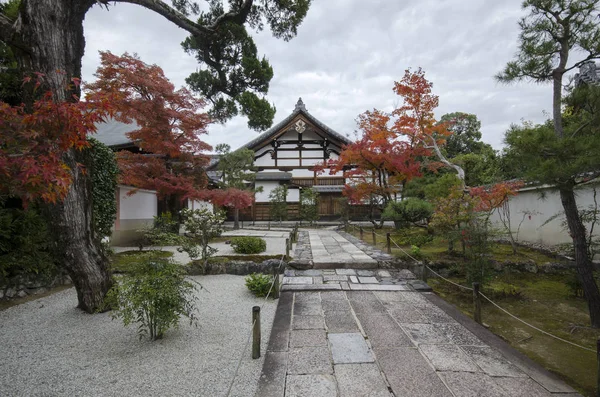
x: 169, y: 125
x: 34, y: 140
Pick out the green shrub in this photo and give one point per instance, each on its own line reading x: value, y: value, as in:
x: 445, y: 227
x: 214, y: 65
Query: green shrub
x: 24, y: 244
x: 127, y: 261
x: 405, y: 212
x: 164, y: 231
x: 248, y: 245
x: 415, y: 252
x: 259, y: 284
x: 155, y: 295
x: 201, y: 226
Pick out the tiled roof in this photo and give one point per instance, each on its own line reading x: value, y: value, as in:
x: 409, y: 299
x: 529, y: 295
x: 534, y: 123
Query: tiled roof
x: 299, y: 109
x: 113, y: 132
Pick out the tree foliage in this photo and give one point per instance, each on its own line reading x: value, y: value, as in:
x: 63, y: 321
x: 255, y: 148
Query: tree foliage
x: 309, y: 205
x: 236, y: 175
x: 278, y: 200
x: 155, y: 295
x: 466, y: 134
x: 34, y: 140
x: 200, y: 227
x: 235, y: 80
x: 170, y: 122
x: 408, y: 211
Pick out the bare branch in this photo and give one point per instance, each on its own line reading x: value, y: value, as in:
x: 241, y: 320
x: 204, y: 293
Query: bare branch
x: 443, y: 159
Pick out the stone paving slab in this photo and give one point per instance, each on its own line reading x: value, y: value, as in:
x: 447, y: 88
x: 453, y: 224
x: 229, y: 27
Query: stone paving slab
x: 523, y: 387
x: 424, y: 333
x: 272, y: 379
x: 366, y: 343
x: 308, y: 322
x: 472, y: 384
x: 308, y: 338
x: 349, y: 348
x: 448, y: 358
x: 360, y: 380
x: 492, y: 362
x: 309, y: 360
x: 310, y: 386
x: 340, y: 322
x: 383, y: 331
x: 409, y: 374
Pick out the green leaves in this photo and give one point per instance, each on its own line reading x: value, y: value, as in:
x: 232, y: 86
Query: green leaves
x: 248, y: 245
x: 104, y: 172
x: 233, y: 78
x: 155, y: 295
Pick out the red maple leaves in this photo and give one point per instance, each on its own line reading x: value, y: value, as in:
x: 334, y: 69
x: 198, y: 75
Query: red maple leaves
x: 169, y: 125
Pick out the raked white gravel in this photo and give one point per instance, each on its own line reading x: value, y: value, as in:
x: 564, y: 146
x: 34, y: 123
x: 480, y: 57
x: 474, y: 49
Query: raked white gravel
x: 50, y: 348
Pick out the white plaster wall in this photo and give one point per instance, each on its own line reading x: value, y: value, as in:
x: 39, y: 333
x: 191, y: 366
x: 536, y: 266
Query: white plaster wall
x: 267, y: 186
x: 533, y: 209
x: 199, y: 205
x: 141, y: 205
x: 264, y: 161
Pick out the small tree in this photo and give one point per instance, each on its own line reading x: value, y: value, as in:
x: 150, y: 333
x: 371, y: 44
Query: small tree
x: 408, y: 211
x: 155, y: 295
x: 236, y: 175
x: 278, y: 199
x: 309, y: 205
x: 201, y: 226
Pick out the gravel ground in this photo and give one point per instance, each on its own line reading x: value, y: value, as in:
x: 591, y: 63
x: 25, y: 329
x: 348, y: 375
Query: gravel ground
x: 50, y: 348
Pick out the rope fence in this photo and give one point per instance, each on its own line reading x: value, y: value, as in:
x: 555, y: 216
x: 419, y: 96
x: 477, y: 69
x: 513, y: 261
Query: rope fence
x: 237, y: 368
x: 477, y: 293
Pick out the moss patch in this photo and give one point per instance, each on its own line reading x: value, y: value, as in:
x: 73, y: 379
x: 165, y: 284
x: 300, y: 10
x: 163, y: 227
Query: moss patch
x: 123, y: 262
x: 546, y: 302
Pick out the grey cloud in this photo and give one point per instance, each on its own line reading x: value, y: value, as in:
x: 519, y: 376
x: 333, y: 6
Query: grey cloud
x: 347, y: 55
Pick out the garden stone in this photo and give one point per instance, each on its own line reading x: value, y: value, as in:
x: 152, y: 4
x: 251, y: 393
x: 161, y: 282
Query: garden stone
x: 22, y: 294
x: 11, y: 292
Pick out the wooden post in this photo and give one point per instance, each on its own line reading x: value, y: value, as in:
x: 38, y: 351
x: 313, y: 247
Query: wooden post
x: 598, y: 360
x: 269, y: 225
x: 287, y: 247
x: 256, y: 332
x: 346, y: 227
x: 389, y: 242
x: 424, y: 273
x: 276, y: 282
x: 374, y: 238
x: 361, y: 232
x: 476, y: 303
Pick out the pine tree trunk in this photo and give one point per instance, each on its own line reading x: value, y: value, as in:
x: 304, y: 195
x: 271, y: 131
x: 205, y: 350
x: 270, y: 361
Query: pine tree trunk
x: 53, y: 29
x: 582, y: 260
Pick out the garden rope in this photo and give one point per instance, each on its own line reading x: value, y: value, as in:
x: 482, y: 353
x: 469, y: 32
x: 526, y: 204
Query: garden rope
x: 237, y: 368
x: 534, y: 327
x: 445, y: 279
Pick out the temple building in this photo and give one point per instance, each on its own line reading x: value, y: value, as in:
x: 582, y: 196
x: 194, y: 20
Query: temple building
x: 286, y: 154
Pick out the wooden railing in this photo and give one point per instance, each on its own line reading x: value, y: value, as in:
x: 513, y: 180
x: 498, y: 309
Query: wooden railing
x: 307, y: 182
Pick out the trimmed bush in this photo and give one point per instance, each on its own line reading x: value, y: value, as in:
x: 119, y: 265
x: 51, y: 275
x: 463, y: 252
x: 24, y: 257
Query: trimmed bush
x: 405, y: 212
x: 259, y: 284
x: 248, y: 245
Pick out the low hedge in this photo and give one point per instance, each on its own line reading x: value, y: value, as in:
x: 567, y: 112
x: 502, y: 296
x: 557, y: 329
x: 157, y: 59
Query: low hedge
x: 248, y: 245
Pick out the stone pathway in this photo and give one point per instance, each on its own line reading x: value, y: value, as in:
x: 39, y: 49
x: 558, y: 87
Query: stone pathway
x: 351, y: 280
x: 389, y: 343
x: 329, y: 249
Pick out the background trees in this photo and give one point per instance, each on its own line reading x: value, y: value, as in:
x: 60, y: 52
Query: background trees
x: 550, y: 33
x: 236, y: 175
x: 47, y: 37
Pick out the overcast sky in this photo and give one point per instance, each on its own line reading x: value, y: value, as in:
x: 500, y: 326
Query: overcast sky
x: 347, y: 55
